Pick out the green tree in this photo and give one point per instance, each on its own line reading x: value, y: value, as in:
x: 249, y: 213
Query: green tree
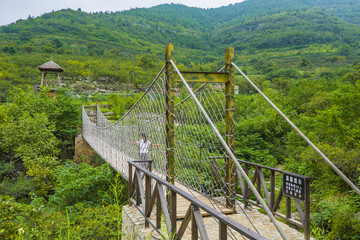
x: 147, y: 61
x: 34, y: 131
x: 17, y: 218
x: 81, y: 183
x: 57, y: 43
x: 29, y: 47
x: 304, y: 62
x: 9, y: 49
x: 31, y: 139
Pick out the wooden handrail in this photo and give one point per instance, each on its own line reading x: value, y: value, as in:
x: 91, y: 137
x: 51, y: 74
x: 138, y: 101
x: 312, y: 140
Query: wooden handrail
x: 261, y: 187
x: 195, y: 205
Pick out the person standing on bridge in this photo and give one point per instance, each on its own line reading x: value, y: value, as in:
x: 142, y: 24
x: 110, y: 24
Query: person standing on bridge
x: 144, y: 145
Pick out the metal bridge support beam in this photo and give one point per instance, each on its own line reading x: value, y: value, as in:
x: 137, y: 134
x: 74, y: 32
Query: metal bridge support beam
x: 230, y: 175
x: 170, y: 135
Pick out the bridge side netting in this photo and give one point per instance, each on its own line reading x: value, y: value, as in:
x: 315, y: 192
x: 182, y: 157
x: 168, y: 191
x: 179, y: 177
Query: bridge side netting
x: 199, y: 155
x: 197, y: 145
x: 116, y: 142
x: 195, y: 142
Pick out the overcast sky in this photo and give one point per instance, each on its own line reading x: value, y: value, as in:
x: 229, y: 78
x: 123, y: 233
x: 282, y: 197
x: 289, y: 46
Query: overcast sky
x: 13, y: 10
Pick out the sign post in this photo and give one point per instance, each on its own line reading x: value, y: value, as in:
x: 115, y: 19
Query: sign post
x: 298, y: 187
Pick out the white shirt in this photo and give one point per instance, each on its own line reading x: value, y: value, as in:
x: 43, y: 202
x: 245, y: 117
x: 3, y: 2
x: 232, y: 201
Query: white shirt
x: 144, y: 146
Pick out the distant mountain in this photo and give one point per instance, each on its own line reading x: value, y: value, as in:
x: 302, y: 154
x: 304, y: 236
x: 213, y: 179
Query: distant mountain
x: 289, y: 29
x: 137, y: 30
x: 348, y: 10
x: 199, y: 35
x: 188, y: 27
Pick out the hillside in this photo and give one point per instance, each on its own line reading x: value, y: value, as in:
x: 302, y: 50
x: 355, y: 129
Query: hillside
x: 344, y: 9
x: 103, y: 46
x: 290, y: 29
x: 304, y: 55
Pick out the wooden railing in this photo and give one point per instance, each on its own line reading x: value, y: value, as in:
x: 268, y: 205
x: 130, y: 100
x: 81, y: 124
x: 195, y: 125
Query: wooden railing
x: 300, y: 193
x: 145, y: 196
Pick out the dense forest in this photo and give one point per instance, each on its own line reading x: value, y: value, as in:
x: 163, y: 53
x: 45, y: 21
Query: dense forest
x: 304, y: 55
x: 112, y: 49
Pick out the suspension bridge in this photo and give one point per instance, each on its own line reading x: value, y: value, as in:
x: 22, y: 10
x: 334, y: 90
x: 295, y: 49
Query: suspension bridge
x: 192, y: 171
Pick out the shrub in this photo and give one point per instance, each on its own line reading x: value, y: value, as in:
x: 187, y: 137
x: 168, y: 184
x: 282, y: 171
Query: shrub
x: 81, y: 183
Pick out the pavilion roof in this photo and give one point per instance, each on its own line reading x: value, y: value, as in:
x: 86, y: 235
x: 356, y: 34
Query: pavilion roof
x: 50, y: 66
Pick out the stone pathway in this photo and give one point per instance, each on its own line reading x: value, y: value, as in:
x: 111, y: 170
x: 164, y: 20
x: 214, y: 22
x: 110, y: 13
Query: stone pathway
x: 134, y: 228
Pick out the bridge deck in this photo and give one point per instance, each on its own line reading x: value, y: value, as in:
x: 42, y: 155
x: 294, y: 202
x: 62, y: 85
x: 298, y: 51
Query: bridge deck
x: 133, y: 225
x: 261, y: 221
x: 182, y: 205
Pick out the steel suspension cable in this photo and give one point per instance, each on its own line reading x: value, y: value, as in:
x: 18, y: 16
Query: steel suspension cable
x: 232, y: 156
x: 351, y: 184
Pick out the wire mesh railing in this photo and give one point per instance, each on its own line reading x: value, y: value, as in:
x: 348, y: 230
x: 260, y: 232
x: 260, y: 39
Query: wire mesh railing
x: 199, y: 127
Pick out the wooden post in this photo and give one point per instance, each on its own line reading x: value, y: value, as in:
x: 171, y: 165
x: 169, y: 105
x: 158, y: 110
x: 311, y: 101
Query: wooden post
x: 222, y: 231
x: 170, y: 137
x: 138, y: 197
x: 147, y: 199
x: 150, y: 166
x: 42, y: 78
x: 158, y: 210
x: 212, y: 178
x: 272, y: 190
x: 194, y: 227
x: 246, y: 187
x: 173, y: 214
x: 258, y: 183
x: 307, y: 210
x: 288, y: 207
x: 130, y: 182
x: 58, y: 76
x: 230, y: 175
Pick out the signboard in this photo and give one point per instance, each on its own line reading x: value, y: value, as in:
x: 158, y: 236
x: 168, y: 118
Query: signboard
x: 236, y: 90
x: 294, y: 186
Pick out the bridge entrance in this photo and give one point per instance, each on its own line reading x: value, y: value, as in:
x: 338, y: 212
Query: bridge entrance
x: 193, y: 171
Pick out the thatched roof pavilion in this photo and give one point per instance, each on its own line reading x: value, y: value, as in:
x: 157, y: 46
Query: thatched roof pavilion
x: 50, y: 67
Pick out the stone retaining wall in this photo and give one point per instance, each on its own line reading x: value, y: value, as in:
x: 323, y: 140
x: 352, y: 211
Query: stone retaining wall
x: 83, y: 151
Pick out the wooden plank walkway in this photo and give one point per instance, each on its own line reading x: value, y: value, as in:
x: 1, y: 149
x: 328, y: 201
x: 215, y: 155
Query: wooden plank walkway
x: 133, y: 225
x: 182, y: 205
x: 261, y: 221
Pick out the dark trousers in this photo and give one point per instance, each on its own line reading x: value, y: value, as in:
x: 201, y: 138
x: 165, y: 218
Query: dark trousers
x: 144, y: 157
